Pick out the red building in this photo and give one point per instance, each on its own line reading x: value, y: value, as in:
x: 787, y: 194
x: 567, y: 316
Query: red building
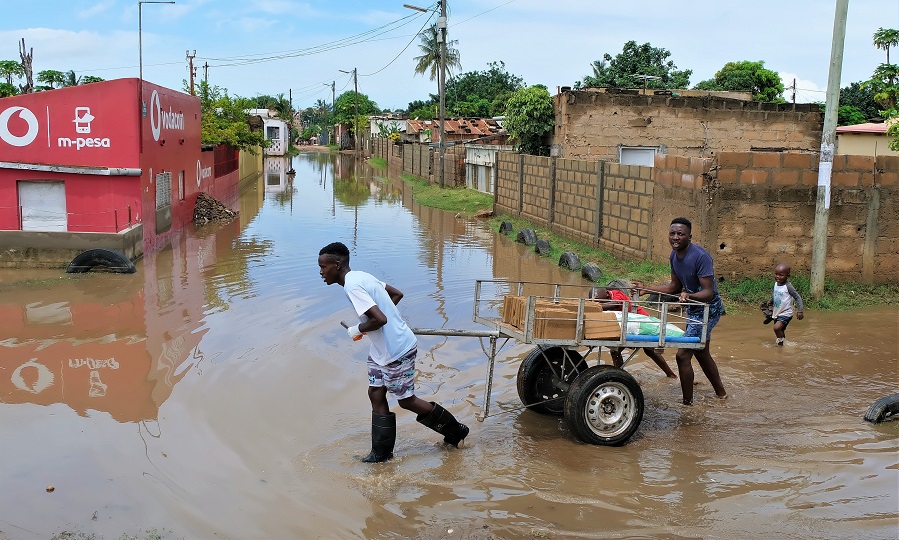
x: 95, y: 166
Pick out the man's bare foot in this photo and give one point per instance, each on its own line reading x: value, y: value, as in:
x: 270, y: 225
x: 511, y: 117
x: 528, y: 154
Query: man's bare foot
x: 672, y: 376
x: 721, y: 397
x: 688, y: 402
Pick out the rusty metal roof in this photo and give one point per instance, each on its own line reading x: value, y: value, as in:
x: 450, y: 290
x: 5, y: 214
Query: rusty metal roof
x: 475, y: 127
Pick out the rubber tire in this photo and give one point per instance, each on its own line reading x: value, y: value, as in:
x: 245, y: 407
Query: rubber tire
x: 535, y: 378
x: 883, y: 409
x: 616, y: 385
x: 108, y: 260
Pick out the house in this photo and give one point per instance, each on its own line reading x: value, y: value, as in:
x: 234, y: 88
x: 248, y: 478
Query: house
x: 456, y: 130
x: 275, y: 130
x: 115, y: 164
x: 869, y: 139
x: 383, y: 125
x: 628, y: 127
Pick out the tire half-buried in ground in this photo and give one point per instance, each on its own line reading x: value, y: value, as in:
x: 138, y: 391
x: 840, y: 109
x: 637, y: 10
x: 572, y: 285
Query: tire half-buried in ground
x: 544, y: 376
x: 883, y: 409
x: 107, y: 260
x: 604, y: 406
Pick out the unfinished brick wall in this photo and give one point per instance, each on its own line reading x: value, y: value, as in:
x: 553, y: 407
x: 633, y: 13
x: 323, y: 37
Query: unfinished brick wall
x: 598, y: 203
x: 765, y: 213
x: 592, y: 125
x: 421, y: 160
x: 750, y: 210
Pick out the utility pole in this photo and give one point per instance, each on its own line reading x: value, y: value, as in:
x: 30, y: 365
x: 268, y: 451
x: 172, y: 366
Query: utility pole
x: 441, y: 28
x: 206, y: 73
x: 825, y: 164
x: 356, y: 118
x: 794, y: 90
x: 191, y: 69
x: 332, y: 130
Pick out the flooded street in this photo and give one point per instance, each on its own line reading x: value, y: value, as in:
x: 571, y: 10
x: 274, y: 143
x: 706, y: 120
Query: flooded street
x: 213, y: 394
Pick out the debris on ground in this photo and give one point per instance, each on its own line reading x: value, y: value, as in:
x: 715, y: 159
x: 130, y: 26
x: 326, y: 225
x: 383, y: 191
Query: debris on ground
x: 208, y: 209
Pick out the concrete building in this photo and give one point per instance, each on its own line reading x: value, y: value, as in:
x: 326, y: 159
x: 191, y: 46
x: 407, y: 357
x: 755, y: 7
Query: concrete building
x: 868, y: 139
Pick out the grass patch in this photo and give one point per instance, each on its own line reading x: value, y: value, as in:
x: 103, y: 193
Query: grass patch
x: 460, y: 200
x: 739, y: 296
x: 378, y: 163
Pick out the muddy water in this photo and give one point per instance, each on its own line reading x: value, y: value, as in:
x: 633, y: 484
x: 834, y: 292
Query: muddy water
x: 213, y: 395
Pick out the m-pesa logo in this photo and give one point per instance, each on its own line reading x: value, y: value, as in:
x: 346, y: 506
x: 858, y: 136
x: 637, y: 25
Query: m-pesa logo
x: 163, y: 119
x: 30, y: 121
x: 82, y: 121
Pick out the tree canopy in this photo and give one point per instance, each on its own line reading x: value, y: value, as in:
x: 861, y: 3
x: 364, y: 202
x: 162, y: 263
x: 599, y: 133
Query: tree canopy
x: 345, y: 110
x: 480, y: 93
x: 530, y: 118
x: 860, y: 98
x: 747, y: 76
x: 622, y: 70
x: 224, y: 119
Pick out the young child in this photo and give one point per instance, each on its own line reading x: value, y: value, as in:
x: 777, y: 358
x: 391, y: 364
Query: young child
x: 620, y: 300
x: 782, y: 302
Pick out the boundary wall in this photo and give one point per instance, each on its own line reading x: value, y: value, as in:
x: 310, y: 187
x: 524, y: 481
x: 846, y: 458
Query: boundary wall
x: 750, y: 210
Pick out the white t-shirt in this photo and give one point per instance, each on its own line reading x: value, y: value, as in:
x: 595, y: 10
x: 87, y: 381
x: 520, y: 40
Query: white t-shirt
x: 395, y: 338
x: 783, y: 301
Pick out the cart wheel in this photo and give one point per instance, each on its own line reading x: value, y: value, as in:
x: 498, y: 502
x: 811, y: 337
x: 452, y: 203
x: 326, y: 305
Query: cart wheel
x: 545, y: 374
x: 604, y: 406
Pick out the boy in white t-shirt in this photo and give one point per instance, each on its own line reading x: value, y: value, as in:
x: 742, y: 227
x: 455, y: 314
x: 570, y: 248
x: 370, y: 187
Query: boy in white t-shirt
x: 782, y: 302
x: 391, y: 357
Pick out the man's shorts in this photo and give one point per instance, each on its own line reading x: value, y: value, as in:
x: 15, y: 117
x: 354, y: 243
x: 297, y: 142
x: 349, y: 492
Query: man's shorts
x: 716, y: 310
x: 398, y: 376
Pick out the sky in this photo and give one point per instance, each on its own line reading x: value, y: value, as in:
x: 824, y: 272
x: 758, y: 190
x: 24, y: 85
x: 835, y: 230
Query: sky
x: 299, y: 48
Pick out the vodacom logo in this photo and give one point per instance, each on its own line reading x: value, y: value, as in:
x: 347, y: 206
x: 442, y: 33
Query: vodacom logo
x: 29, y: 119
x: 155, y: 115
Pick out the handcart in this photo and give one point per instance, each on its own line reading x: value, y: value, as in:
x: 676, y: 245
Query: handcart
x: 602, y: 404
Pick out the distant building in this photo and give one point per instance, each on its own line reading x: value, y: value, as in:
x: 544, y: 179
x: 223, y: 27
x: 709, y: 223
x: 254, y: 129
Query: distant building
x: 456, y: 130
x: 868, y: 139
x: 275, y: 130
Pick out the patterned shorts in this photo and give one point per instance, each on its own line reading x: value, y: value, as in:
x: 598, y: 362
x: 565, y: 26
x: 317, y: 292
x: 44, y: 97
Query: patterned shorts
x: 398, y: 376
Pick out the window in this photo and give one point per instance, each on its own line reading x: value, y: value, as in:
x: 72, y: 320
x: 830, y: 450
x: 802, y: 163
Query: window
x: 273, y: 133
x: 181, y: 186
x: 637, y: 155
x: 163, y: 190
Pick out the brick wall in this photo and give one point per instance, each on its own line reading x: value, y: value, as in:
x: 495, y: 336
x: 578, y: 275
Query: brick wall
x: 421, y: 160
x: 750, y: 210
x: 592, y: 125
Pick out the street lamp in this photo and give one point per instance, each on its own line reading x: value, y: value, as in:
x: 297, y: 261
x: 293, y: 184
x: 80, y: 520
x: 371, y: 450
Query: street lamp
x: 441, y: 77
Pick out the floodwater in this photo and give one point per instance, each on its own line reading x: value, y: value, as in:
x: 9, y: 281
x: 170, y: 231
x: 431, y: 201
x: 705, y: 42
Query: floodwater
x: 213, y: 394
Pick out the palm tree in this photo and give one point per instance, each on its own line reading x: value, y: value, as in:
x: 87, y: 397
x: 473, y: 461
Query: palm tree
x: 52, y: 78
x: 430, y: 60
x: 884, y: 38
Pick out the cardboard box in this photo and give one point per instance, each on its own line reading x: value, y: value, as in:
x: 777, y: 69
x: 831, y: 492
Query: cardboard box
x: 559, y: 321
x: 514, y: 308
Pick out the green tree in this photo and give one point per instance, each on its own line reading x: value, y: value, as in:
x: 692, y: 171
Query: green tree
x: 7, y: 90
x: 52, y: 78
x: 429, y: 61
x: 346, y: 107
x: 747, y: 76
x: 530, y: 118
x: 87, y: 79
x: 481, y: 93
x: 633, y: 60
x: 861, y: 97
x: 224, y: 119
x: 11, y: 71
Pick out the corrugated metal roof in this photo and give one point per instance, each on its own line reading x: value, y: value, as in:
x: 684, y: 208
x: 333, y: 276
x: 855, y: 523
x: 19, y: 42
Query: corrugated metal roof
x: 870, y: 127
x: 476, y: 127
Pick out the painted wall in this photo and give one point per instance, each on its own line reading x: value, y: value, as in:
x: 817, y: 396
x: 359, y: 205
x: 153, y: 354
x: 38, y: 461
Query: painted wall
x: 864, y: 144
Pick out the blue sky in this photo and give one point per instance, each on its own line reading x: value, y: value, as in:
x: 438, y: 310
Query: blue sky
x: 298, y: 48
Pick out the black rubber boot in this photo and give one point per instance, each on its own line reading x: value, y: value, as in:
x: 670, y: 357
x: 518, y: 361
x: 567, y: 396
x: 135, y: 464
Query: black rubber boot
x: 383, y: 437
x: 444, y: 423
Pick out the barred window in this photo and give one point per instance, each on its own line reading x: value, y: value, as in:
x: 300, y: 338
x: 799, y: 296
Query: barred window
x: 163, y: 190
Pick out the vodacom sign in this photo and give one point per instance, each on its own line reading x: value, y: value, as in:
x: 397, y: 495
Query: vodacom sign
x: 18, y: 140
x: 160, y: 119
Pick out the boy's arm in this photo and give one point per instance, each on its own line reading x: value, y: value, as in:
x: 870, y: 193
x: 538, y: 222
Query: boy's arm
x: 395, y: 294
x: 797, y: 299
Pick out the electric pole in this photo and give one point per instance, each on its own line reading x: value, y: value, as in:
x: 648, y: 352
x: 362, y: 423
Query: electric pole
x: 206, y: 73
x: 794, y: 90
x: 191, y: 69
x: 441, y: 28
x: 356, y: 105
x: 825, y: 164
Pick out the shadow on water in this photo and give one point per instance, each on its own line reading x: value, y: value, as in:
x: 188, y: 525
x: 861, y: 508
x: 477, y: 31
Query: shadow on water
x: 213, y: 394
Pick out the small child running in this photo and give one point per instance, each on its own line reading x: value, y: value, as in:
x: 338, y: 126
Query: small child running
x: 782, y: 300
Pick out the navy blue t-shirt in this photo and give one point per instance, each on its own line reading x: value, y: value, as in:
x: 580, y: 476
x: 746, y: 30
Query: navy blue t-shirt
x: 697, y: 263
